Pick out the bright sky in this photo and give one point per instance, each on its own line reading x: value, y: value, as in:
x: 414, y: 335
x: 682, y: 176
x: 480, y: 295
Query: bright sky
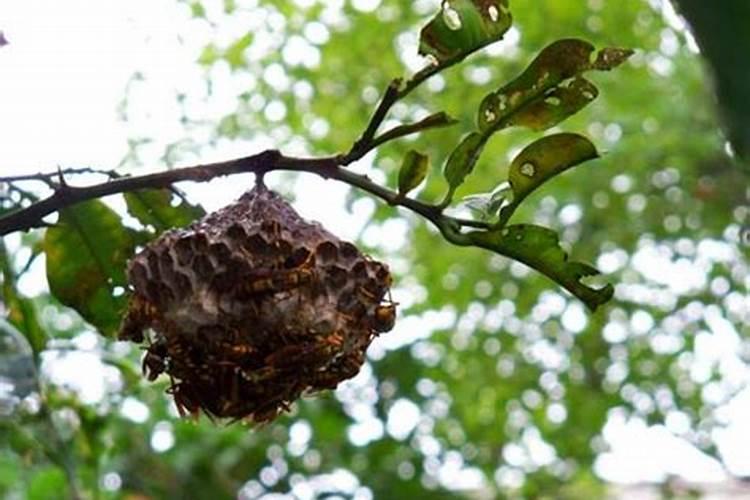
x: 62, y: 77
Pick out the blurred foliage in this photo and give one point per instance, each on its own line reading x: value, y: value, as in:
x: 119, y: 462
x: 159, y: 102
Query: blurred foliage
x: 494, y: 383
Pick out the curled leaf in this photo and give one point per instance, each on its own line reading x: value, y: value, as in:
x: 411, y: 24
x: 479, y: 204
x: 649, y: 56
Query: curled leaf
x: 462, y: 160
x: 544, y: 159
x: 545, y: 78
x: 487, y: 205
x: 539, y: 248
x: 464, y: 26
x: 413, y: 171
x: 86, y: 252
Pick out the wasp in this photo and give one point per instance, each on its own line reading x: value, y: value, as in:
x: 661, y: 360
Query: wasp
x: 384, y: 318
x: 309, y: 354
x: 154, y: 362
x: 273, y: 281
x: 185, y: 399
x: 141, y: 313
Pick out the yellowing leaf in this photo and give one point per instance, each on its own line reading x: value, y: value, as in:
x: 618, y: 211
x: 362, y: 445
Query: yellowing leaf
x: 544, y: 78
x: 558, y: 104
x: 546, y: 158
x: 86, y: 254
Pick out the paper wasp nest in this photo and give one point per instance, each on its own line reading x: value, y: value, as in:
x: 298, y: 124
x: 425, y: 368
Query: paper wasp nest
x: 252, y: 306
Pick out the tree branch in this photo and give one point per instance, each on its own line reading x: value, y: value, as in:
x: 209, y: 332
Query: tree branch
x: 266, y: 161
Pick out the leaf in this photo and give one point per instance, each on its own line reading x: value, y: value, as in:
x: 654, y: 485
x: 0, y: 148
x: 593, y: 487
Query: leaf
x: 17, y: 366
x: 544, y: 78
x: 464, y: 26
x: 557, y: 105
x: 47, y: 484
x: 487, y: 205
x: 413, y: 171
x: 462, y: 160
x: 153, y: 207
x: 20, y: 311
x: 546, y: 158
x: 209, y: 55
x: 539, y: 248
x: 723, y: 41
x: 235, y: 53
x: 87, y: 251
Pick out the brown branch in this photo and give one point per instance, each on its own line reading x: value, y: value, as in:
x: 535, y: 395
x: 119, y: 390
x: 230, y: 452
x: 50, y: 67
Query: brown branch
x: 266, y: 161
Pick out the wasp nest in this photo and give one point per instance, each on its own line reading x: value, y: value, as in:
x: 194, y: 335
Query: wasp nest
x: 252, y: 306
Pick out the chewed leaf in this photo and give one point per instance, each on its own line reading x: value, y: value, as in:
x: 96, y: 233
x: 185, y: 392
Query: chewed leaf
x: 610, y: 58
x: 558, y: 104
x: 539, y: 248
x: 413, y: 171
x: 546, y: 158
x: 464, y: 26
x: 153, y: 207
x: 556, y: 63
x: 87, y: 251
x: 462, y: 160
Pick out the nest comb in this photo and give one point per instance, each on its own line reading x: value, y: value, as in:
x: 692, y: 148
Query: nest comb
x: 252, y: 306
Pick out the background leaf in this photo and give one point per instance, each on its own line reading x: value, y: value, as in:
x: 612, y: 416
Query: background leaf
x: 720, y: 30
x: 153, y: 207
x: 87, y: 252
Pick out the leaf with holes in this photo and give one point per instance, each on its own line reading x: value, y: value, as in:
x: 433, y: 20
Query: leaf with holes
x: 413, y: 171
x: 546, y: 158
x: 462, y: 160
x: 539, y: 248
x: 522, y: 101
x: 153, y: 207
x: 464, y: 26
x: 557, y: 105
x: 87, y: 251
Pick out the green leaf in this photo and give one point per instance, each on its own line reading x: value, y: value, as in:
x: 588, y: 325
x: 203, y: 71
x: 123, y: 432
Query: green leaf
x: 47, y: 484
x: 539, y: 248
x: 413, y: 171
x: 462, y: 160
x: 464, y: 26
x: 235, y: 53
x: 209, y: 55
x: 21, y: 311
x: 544, y: 159
x: 154, y: 207
x: 546, y: 78
x: 87, y: 251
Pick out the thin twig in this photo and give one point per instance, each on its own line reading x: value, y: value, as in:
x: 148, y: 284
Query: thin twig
x: 49, y: 177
